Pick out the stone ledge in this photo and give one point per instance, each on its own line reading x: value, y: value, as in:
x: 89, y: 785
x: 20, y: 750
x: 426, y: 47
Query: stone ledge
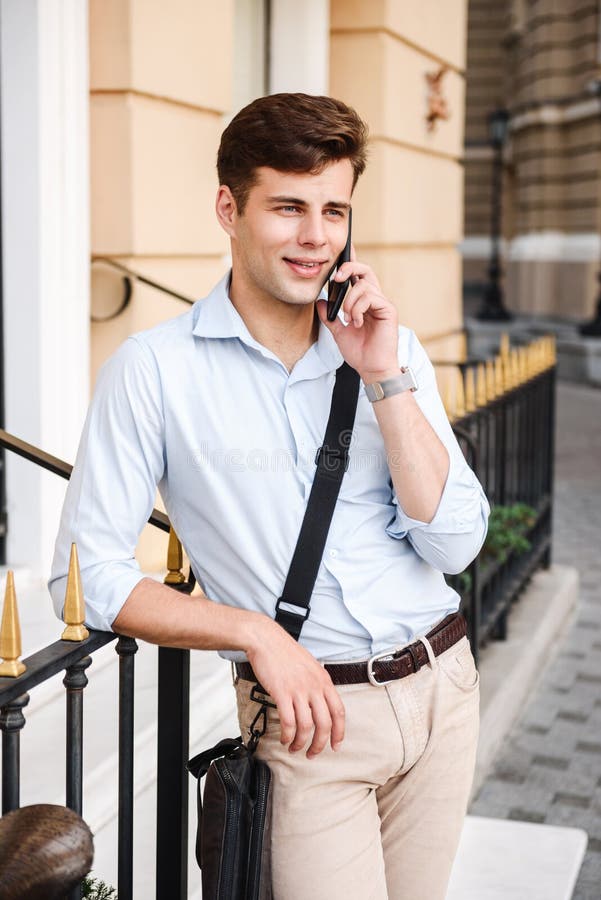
x: 511, y: 669
x: 499, y: 859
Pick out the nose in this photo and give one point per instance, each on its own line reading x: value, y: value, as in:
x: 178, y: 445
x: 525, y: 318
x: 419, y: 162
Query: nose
x: 312, y: 232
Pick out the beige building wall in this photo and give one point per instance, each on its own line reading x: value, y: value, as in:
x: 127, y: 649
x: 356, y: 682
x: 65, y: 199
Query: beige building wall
x: 160, y: 84
x: 540, y: 60
x: 408, y: 205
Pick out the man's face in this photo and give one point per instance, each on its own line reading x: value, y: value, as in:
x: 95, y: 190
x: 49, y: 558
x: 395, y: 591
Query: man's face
x: 292, y: 229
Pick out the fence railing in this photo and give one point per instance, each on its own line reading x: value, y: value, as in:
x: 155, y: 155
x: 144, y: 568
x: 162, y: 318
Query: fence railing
x: 502, y: 412
x: 74, y: 658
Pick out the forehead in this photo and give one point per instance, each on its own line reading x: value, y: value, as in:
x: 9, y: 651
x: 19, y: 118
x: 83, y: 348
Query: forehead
x: 334, y: 183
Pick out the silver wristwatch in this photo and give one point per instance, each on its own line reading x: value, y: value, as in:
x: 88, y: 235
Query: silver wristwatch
x: 381, y: 389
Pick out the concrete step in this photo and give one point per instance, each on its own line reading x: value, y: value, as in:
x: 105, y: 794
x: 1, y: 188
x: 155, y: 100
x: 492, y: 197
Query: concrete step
x: 504, y: 860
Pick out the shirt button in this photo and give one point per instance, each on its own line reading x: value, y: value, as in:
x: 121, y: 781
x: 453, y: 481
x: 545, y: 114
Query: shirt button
x: 334, y: 553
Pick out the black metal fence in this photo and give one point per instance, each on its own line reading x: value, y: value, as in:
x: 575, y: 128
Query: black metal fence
x: 172, y: 740
x: 508, y: 438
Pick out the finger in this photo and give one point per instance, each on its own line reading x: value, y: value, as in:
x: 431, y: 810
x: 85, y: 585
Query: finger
x: 336, y: 327
x: 357, y: 270
x: 287, y: 721
x: 355, y: 314
x: 323, y: 727
x: 361, y: 297
x: 337, y: 716
x: 304, y: 725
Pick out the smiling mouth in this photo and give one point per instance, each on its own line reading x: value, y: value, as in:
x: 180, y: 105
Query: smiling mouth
x: 304, y: 266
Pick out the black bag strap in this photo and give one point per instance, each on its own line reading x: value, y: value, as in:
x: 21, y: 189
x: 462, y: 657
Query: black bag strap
x: 332, y: 460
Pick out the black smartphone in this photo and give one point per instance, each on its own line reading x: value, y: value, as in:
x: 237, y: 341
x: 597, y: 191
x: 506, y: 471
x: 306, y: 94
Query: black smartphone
x: 337, y: 289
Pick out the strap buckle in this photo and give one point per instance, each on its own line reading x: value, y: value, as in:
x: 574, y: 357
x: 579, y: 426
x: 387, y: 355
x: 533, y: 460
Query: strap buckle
x: 302, y: 614
x: 370, y: 668
x: 332, y: 458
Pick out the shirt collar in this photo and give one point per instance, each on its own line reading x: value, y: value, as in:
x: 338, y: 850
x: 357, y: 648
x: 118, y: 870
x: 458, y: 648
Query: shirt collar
x: 217, y: 317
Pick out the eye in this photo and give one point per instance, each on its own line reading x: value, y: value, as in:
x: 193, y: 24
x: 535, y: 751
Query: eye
x: 335, y: 213
x: 288, y: 209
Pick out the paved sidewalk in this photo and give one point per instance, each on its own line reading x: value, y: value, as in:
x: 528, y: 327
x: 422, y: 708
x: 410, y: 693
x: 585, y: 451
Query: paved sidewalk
x: 549, y: 769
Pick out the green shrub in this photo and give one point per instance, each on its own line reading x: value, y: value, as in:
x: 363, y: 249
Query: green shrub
x: 95, y: 889
x: 507, y: 529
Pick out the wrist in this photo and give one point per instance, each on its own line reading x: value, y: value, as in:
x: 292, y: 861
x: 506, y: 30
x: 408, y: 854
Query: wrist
x: 371, y: 376
x: 257, y: 632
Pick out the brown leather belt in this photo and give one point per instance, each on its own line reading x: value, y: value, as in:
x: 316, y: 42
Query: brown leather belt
x: 386, y: 667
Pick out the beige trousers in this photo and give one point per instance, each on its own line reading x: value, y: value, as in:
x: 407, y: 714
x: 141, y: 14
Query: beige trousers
x: 381, y: 818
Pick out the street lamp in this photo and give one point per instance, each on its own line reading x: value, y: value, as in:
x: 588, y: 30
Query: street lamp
x: 593, y: 328
x: 492, y: 308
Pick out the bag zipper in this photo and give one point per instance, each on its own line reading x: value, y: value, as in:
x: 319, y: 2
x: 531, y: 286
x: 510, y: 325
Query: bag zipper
x: 256, y: 837
x: 226, y: 870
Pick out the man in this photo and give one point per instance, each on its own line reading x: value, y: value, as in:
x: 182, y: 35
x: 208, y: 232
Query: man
x: 223, y: 408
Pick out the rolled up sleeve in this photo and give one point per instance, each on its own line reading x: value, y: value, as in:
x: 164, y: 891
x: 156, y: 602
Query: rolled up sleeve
x: 454, y: 536
x: 112, y: 488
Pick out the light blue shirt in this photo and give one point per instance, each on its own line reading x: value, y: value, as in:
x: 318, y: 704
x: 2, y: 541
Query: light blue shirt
x: 201, y: 409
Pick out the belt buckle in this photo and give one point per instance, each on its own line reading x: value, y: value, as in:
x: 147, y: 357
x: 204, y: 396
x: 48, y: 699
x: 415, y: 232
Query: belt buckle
x: 370, y: 668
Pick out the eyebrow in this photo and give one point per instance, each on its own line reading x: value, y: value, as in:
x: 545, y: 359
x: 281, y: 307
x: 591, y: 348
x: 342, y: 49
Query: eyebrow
x: 296, y: 201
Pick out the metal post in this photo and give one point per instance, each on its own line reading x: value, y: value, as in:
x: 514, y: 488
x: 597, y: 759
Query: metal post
x: 492, y: 308
x: 75, y: 681
x: 172, y: 778
x: 12, y: 721
x: 126, y: 648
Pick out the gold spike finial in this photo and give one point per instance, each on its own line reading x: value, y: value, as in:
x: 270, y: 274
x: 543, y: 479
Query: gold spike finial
x: 491, y: 392
x: 523, y: 363
x: 548, y: 352
x: 175, y: 560
x: 529, y: 350
x: 449, y: 397
x: 499, y: 381
x: 10, y: 632
x: 515, y: 367
x: 74, y: 610
x: 481, y: 385
x: 506, y: 372
x: 470, y: 389
x: 504, y: 345
x: 460, y: 408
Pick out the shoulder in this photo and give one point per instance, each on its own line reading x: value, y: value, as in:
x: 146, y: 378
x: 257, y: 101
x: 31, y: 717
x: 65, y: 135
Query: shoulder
x: 167, y: 337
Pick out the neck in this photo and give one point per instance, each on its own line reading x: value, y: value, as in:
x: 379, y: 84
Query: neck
x: 285, y: 329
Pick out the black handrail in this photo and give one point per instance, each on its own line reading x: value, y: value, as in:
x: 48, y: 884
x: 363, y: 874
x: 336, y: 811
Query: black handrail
x: 49, y: 661
x: 172, y: 738
x: 129, y: 276
x: 60, y: 467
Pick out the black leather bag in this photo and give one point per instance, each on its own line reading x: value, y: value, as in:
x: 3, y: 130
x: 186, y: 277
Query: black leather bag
x: 234, y: 818
x: 234, y: 813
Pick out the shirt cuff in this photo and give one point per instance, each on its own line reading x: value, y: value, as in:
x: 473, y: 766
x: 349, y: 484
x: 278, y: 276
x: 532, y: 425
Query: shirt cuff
x: 461, y: 506
x: 106, y: 588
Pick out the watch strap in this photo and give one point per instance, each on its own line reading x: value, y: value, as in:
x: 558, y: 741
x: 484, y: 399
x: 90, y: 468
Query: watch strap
x: 378, y: 390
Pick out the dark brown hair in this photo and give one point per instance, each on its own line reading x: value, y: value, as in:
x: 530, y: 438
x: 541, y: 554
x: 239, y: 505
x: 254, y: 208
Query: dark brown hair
x: 290, y: 133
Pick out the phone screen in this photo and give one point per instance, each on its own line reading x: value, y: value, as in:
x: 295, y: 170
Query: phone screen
x: 337, y: 289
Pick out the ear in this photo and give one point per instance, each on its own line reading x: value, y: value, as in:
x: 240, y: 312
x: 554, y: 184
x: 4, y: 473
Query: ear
x: 226, y: 210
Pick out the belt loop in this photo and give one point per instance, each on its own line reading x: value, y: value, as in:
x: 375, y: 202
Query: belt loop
x: 429, y: 651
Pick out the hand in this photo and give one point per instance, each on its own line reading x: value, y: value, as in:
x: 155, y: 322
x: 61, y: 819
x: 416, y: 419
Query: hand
x: 307, y: 701
x: 369, y: 341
